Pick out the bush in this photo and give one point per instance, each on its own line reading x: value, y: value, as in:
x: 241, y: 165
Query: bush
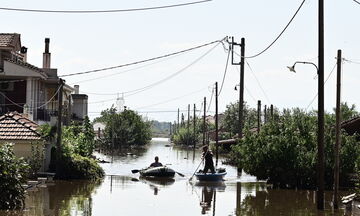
x: 285, y: 151
x: 185, y: 137
x: 75, y: 166
x: 12, y: 175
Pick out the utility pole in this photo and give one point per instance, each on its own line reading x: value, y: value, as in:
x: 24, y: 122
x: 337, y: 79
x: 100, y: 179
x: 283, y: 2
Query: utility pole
x: 272, y: 112
x: 321, y: 169
x: 194, y: 125
x: 182, y: 120
x: 258, y: 116
x: 242, y: 70
x: 178, y: 122
x: 265, y: 115
x: 216, y: 123
x: 170, y: 129
x: 59, y: 129
x: 188, y: 126
x: 204, y: 129
x: 338, y: 134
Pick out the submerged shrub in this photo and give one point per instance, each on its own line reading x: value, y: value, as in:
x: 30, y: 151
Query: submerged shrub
x: 12, y: 176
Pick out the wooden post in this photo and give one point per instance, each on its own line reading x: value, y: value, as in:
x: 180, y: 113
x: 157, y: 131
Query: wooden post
x: 188, y: 126
x: 194, y: 118
x: 338, y: 134
x: 241, y: 92
x: 259, y: 116
x: 272, y: 112
x: 59, y: 129
x: 216, y: 124
x: 265, y: 115
x: 204, y: 123
x: 178, y: 122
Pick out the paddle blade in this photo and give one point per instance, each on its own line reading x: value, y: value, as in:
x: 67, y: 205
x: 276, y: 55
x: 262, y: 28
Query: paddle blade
x: 135, y: 171
x: 180, y: 174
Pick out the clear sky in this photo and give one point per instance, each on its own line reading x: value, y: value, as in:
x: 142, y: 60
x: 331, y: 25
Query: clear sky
x: 81, y: 42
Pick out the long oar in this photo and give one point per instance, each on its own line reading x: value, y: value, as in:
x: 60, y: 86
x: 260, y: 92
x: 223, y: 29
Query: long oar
x: 196, y: 169
x: 135, y: 171
x: 180, y: 174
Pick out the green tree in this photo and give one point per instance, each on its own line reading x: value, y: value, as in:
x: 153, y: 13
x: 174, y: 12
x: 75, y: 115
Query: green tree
x: 126, y: 128
x: 285, y: 151
x: 186, y: 137
x: 13, y: 172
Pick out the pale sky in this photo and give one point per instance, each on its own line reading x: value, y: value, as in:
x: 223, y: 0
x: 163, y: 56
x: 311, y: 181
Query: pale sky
x: 81, y: 42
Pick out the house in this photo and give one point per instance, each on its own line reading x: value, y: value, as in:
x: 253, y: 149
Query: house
x: 22, y: 132
x: 352, y: 126
x: 28, y: 89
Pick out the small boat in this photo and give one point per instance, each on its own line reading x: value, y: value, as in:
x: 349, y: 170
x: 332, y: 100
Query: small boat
x: 217, y: 176
x: 162, y: 171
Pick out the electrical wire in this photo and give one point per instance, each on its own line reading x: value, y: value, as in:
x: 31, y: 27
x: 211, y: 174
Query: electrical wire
x: 212, y: 95
x: 324, y: 84
x: 142, y: 61
x: 136, y: 91
x: 14, y: 103
x: 272, y: 43
x: 258, y: 82
x: 102, y: 11
x: 357, y: 2
x: 226, y: 66
x: 172, y: 99
x: 125, y: 71
x: 351, y: 61
x: 46, y: 103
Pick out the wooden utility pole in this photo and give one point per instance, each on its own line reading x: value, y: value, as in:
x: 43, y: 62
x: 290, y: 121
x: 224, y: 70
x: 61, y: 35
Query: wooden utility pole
x: 188, y: 126
x: 338, y: 134
x: 59, y: 129
x: 242, y: 70
x: 272, y: 112
x: 216, y: 124
x: 241, y: 96
x: 321, y: 168
x: 194, y: 118
x: 178, y: 122
x: 204, y: 124
x: 170, y: 132
x: 258, y: 116
x: 265, y: 115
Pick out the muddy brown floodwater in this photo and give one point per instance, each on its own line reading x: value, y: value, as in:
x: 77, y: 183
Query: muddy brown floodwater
x: 124, y: 193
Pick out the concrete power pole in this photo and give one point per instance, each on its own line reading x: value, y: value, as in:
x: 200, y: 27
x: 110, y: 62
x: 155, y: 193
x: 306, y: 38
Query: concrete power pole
x: 59, y: 129
x: 338, y: 134
x: 204, y: 129
x: 216, y: 124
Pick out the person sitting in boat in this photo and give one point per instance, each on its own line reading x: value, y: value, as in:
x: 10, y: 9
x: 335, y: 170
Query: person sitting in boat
x: 156, y: 163
x: 207, y: 155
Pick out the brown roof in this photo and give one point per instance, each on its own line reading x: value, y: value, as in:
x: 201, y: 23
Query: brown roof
x: 14, y: 126
x: 9, y: 39
x: 352, y: 126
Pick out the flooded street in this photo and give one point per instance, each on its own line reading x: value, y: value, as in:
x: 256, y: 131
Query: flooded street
x: 123, y: 193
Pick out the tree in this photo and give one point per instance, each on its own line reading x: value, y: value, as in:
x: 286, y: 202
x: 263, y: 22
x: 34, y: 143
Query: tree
x: 126, y: 128
x: 285, y: 151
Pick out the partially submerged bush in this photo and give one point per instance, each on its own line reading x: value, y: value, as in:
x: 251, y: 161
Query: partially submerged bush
x: 75, y: 166
x: 185, y: 137
x: 12, y: 176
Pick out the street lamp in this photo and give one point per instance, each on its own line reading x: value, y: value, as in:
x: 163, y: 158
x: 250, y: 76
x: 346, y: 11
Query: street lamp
x: 292, y: 68
x: 320, y: 138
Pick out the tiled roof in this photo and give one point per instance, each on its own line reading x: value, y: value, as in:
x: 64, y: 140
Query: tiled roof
x: 27, y: 65
x: 14, y: 126
x: 7, y: 40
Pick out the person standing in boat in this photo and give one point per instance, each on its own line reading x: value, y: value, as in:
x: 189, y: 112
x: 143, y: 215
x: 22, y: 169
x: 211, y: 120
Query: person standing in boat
x: 207, y: 155
x: 156, y: 163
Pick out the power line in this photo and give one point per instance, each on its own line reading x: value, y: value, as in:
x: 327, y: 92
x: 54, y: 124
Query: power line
x: 324, y: 84
x: 356, y: 1
x: 172, y: 99
x: 258, y: 82
x: 102, y: 11
x: 136, y: 91
x: 351, y: 61
x: 272, y: 43
x: 226, y: 66
x: 142, y: 61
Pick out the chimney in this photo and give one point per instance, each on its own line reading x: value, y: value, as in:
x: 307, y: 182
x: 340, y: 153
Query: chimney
x: 76, y: 87
x: 46, y: 54
x: 23, y: 51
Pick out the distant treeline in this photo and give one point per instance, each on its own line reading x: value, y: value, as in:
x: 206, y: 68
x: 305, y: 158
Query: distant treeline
x: 160, y: 129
